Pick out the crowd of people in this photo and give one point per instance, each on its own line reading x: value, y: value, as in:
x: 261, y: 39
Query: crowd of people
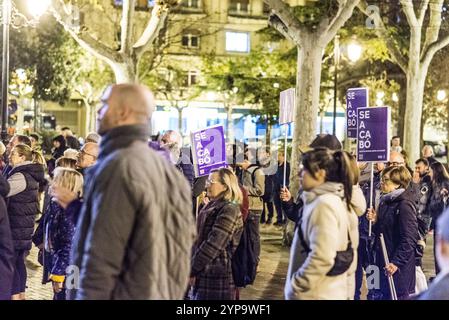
x: 124, y: 216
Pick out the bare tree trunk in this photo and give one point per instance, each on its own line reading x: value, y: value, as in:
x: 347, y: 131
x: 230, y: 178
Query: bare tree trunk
x: 268, y: 133
x: 124, y: 73
x: 229, y: 124
x: 413, y: 112
x: 307, y: 99
x: 402, y: 107
x: 180, y: 109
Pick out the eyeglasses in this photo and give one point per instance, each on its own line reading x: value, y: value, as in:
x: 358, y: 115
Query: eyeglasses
x: 209, y: 182
x: 89, y: 154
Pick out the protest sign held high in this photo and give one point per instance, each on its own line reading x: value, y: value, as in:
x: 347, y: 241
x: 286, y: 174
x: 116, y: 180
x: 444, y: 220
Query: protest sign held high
x: 355, y: 98
x: 208, y: 150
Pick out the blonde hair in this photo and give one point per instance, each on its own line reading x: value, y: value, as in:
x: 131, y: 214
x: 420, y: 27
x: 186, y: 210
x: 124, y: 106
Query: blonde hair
x: 30, y: 154
x: 2, y: 148
x: 69, y: 179
x: 229, y: 180
x: 66, y: 162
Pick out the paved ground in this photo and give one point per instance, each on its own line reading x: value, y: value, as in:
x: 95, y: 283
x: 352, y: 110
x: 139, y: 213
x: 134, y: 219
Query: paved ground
x: 269, y: 284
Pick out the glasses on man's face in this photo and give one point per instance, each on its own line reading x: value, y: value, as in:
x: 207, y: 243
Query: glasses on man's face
x: 83, y: 152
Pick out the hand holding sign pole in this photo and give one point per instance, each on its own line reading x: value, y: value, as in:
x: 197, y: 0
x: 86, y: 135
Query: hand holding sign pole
x: 286, y: 116
x: 373, y: 143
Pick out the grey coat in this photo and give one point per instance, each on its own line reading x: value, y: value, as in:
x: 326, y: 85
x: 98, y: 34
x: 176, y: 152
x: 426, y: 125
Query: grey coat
x: 438, y: 290
x: 135, y: 231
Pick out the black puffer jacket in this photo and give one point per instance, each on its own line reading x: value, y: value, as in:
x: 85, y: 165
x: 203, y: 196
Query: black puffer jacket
x: 397, y: 222
x: 23, y: 207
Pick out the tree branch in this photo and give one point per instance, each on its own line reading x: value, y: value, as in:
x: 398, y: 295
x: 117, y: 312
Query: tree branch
x: 285, y: 14
x: 396, y: 55
x: 276, y: 23
x: 345, y: 10
x: 434, y: 26
x: 422, y: 11
x: 157, y: 20
x: 433, y: 49
x: 126, y: 24
x: 85, y: 40
x: 409, y: 10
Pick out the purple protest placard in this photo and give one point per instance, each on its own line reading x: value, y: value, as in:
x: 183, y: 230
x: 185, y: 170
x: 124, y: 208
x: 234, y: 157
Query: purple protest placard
x: 373, y: 142
x: 355, y: 98
x: 287, y: 106
x: 208, y: 150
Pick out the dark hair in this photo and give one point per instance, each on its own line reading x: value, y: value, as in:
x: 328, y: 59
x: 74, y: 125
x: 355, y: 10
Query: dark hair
x: 424, y: 161
x: 337, y: 166
x: 440, y: 174
x: 326, y: 141
x: 65, y: 128
x: 61, y: 140
x: 23, y: 139
x: 395, y: 137
x: 34, y: 136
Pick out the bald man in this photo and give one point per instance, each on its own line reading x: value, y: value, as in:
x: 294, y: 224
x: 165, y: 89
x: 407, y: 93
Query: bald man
x: 133, y: 237
x: 87, y: 156
x: 428, y: 154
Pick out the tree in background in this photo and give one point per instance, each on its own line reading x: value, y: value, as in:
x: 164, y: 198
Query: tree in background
x: 311, y: 28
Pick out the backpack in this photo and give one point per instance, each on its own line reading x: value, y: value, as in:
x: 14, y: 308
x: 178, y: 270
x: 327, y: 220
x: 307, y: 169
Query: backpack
x: 244, y: 260
x: 268, y: 188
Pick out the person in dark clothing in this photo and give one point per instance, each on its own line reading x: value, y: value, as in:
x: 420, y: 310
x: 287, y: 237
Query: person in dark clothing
x: 55, y: 232
x: 264, y: 157
x: 23, y: 204
x: 71, y: 141
x: 59, y: 146
x: 438, y: 199
x: 396, y: 220
x: 6, y: 246
x: 15, y: 140
x: 365, y: 254
x: 278, y: 184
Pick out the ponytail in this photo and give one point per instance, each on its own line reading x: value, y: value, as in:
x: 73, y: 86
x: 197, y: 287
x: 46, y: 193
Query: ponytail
x: 346, y: 176
x: 38, y: 158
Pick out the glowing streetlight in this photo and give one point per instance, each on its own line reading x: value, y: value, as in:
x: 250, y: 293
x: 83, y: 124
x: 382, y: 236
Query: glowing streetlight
x: 38, y: 8
x: 395, y: 97
x: 441, y: 95
x: 354, y: 51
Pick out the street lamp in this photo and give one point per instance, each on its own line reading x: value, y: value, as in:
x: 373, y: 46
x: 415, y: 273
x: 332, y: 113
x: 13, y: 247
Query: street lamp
x: 354, y: 53
x: 11, y: 17
x: 441, y: 95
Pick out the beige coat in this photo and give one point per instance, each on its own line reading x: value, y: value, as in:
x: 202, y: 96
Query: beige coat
x: 325, y: 224
x: 255, y: 188
x: 358, y: 202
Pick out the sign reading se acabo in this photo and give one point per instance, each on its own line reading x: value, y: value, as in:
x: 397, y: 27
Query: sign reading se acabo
x: 208, y: 150
x: 355, y: 98
x: 373, y: 142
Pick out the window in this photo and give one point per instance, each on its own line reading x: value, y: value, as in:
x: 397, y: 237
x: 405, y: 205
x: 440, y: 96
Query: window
x: 190, y: 40
x: 191, y: 3
x: 190, y: 78
x: 237, y: 41
x: 239, y: 6
x: 140, y: 4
